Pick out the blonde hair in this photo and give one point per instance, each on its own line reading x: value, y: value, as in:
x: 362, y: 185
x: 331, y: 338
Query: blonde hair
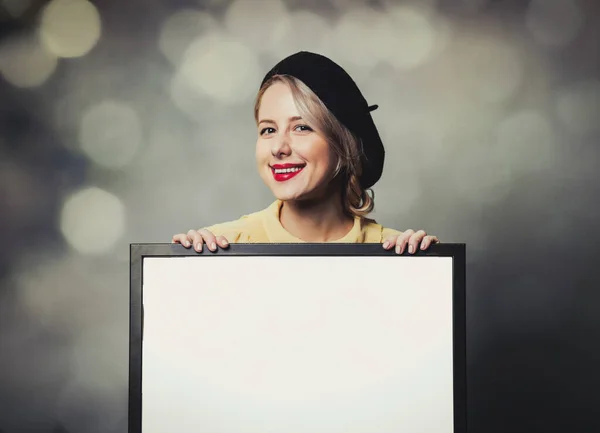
x: 356, y: 200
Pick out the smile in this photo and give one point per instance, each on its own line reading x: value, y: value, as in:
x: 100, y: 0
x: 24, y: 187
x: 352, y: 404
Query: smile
x: 283, y: 172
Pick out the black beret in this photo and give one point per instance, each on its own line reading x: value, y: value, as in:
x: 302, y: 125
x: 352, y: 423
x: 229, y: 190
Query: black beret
x: 340, y: 94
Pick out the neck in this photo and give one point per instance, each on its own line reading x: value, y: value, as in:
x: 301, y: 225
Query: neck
x: 316, y: 220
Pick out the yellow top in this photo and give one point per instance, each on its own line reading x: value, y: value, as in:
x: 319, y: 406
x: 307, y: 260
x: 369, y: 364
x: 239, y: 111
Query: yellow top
x: 264, y: 227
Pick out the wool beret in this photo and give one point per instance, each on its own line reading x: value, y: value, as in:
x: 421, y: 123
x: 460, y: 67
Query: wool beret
x: 340, y: 94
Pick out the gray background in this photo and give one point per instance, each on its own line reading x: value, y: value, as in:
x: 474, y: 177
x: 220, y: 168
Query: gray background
x: 131, y: 121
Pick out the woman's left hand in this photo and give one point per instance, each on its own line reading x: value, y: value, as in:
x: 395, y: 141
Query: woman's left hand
x: 414, y: 240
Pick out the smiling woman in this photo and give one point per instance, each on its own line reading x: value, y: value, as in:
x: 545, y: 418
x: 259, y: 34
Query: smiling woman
x: 319, y: 152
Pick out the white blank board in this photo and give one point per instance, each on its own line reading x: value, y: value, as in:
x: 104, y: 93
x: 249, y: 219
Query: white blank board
x: 303, y: 344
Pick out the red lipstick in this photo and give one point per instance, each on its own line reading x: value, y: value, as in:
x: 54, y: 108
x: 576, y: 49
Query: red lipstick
x: 283, y: 172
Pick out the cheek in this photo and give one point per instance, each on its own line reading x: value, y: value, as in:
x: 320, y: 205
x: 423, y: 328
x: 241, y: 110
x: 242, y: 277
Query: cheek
x: 320, y: 153
x: 261, y: 151
x: 327, y: 158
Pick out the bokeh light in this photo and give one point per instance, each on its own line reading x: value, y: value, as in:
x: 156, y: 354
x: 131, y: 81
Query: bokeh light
x: 92, y: 220
x: 96, y: 377
x: 351, y: 36
x: 473, y: 5
x: 15, y: 8
x: 65, y: 291
x: 260, y: 24
x: 181, y: 28
x: 497, y: 66
x: 415, y: 37
x: 70, y: 28
x: 577, y: 107
x: 553, y: 23
x: 24, y: 62
x: 110, y: 133
x: 301, y: 30
x: 221, y: 68
x: 526, y: 141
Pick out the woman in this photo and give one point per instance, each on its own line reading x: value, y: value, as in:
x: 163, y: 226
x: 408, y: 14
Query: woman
x: 319, y: 152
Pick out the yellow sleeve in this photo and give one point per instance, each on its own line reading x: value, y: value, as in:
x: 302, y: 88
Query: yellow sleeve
x: 232, y: 230
x: 247, y: 229
x: 387, y: 233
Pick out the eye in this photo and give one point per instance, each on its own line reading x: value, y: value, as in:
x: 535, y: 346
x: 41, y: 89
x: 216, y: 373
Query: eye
x: 267, y: 130
x: 303, y: 128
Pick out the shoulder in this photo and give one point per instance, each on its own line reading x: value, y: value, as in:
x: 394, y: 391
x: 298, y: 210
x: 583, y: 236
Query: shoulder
x: 244, y: 229
x: 388, y: 232
x: 375, y: 232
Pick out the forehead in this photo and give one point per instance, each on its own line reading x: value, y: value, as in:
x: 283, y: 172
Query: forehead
x: 277, y: 101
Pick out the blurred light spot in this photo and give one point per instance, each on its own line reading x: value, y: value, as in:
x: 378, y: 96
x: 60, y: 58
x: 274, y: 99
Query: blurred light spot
x: 24, y: 62
x: 554, y: 22
x: 15, y: 8
x: 353, y: 36
x: 97, y: 366
x: 496, y: 67
x: 92, y: 220
x: 66, y: 293
x: 479, y: 178
x: 110, y: 134
x: 578, y: 107
x: 526, y: 141
x: 222, y: 68
x: 71, y: 298
x: 87, y: 86
x: 414, y: 38
x: 473, y: 5
x: 260, y: 24
x: 444, y: 31
x: 301, y: 30
x: 216, y: 4
x: 187, y: 99
x: 425, y: 6
x: 70, y: 28
x: 181, y: 29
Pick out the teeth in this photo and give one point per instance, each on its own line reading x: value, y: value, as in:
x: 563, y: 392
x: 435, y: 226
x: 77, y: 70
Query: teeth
x: 287, y: 170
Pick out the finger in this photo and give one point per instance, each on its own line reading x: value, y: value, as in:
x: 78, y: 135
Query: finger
x: 209, y: 238
x: 414, y: 241
x: 428, y: 241
x: 181, y: 239
x: 196, y: 239
x: 222, y: 241
x: 402, y: 240
x: 389, y: 242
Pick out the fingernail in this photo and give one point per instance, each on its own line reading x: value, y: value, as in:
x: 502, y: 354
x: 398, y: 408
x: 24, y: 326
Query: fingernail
x: 186, y: 243
x: 225, y: 243
x: 411, y: 249
x: 386, y: 244
x: 199, y: 247
x: 398, y: 250
x: 213, y: 246
x: 422, y: 245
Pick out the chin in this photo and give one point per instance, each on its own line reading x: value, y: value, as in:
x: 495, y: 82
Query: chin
x: 289, y: 195
x: 291, y: 190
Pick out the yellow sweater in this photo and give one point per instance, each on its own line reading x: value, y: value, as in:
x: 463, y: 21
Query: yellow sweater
x: 264, y: 227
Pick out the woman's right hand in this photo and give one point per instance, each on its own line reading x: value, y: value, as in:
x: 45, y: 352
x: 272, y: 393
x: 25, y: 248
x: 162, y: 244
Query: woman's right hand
x: 199, y: 237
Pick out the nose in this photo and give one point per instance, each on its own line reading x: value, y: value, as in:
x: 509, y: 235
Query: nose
x: 281, y: 145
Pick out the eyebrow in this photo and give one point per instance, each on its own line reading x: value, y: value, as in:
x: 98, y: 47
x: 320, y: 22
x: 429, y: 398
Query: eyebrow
x: 291, y: 119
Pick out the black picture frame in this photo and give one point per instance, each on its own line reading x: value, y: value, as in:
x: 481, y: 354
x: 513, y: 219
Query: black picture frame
x: 140, y: 251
